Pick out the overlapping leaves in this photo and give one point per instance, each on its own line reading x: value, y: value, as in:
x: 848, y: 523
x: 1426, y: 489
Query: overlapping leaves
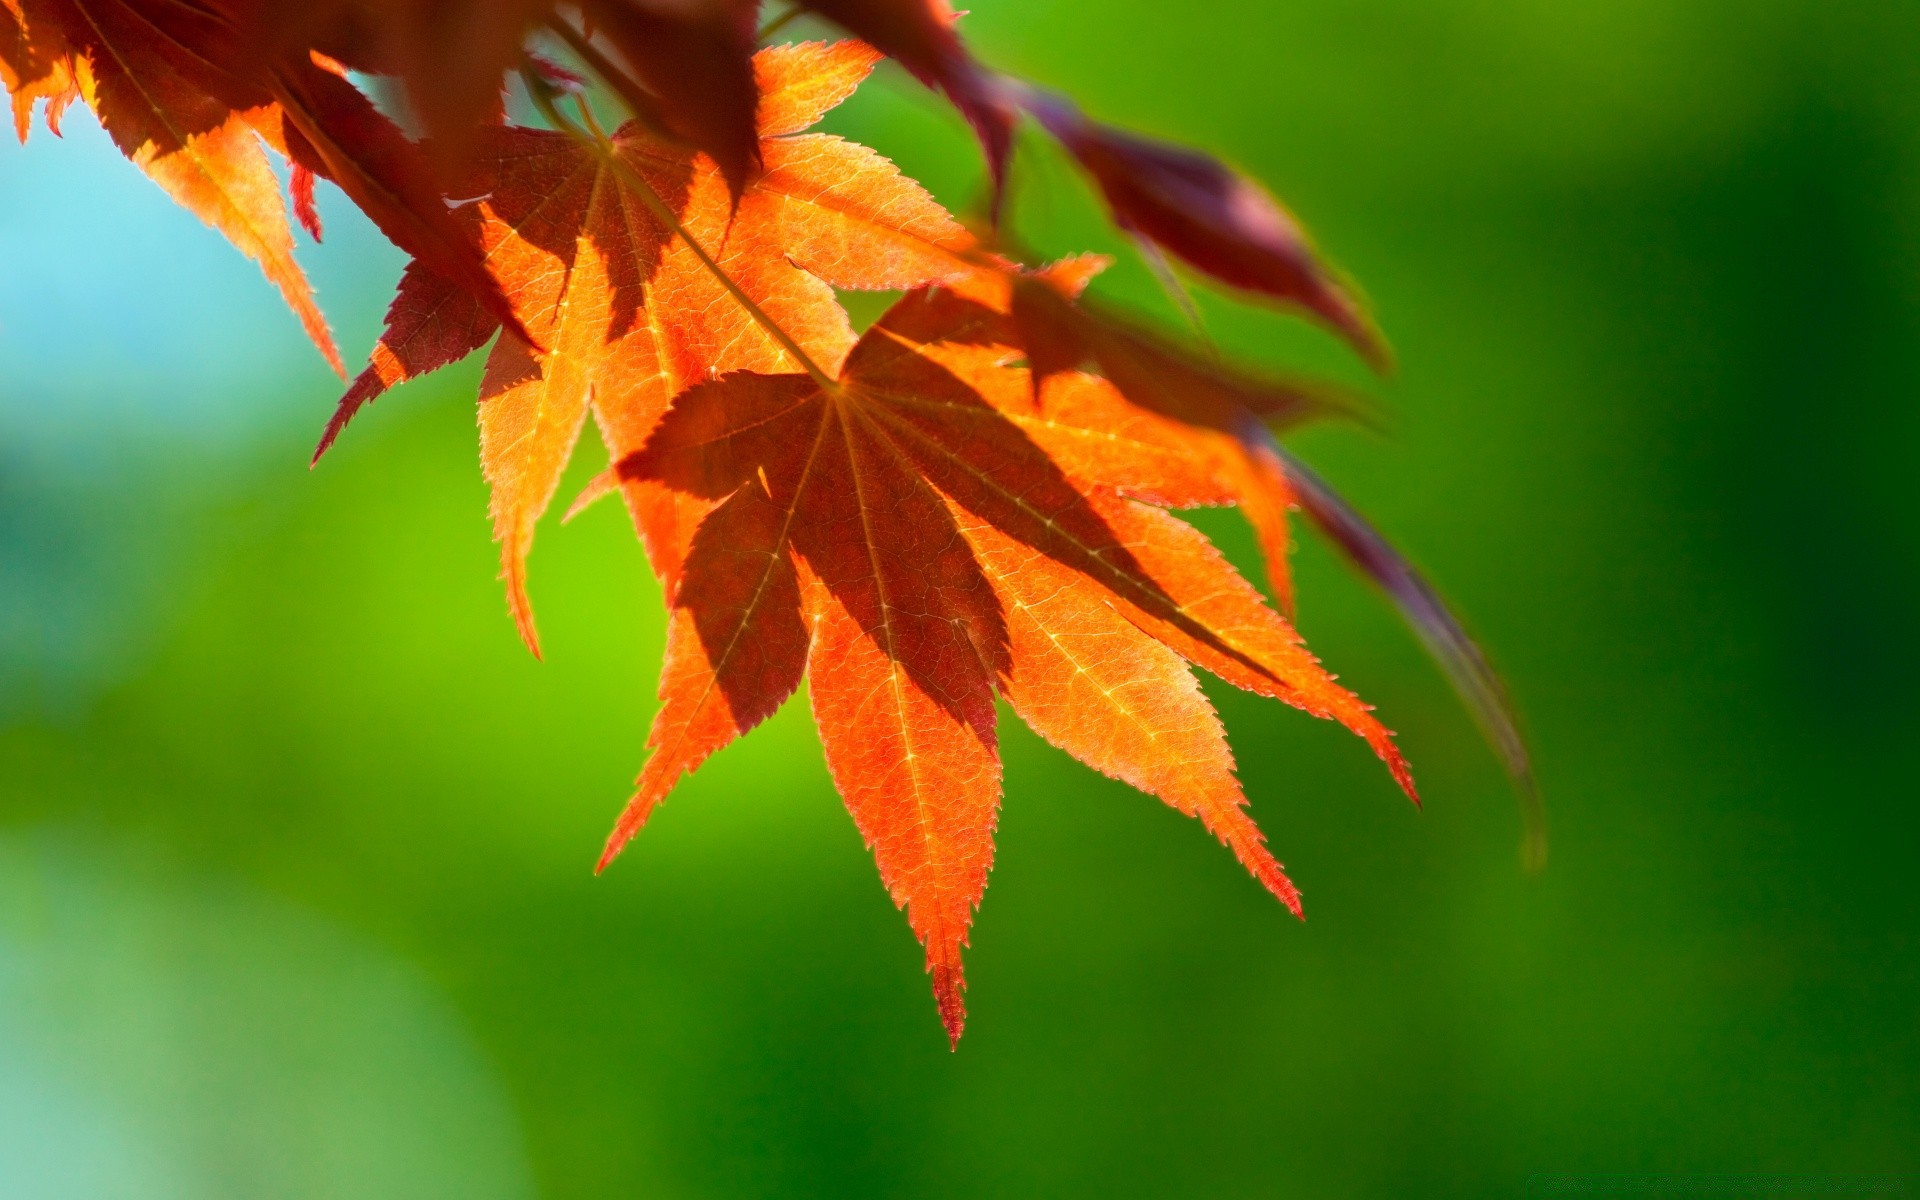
x: 922, y: 533
x: 968, y: 502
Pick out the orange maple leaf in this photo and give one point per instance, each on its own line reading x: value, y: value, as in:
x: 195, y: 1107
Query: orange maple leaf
x: 921, y: 533
x: 969, y: 502
x: 1224, y: 416
x: 170, y: 110
x: 190, y: 95
x: 1230, y: 417
x: 35, y: 65
x: 915, y: 522
x: 603, y: 252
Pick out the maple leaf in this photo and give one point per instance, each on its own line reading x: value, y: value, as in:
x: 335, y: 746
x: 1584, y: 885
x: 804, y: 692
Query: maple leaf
x: 189, y: 97
x: 922, y: 533
x: 1225, y: 416
x: 969, y: 502
x: 690, y: 74
x: 683, y: 66
x: 158, y: 100
x: 920, y: 35
x: 599, y: 248
x: 449, y: 55
x: 1466, y: 666
x: 1231, y: 417
x: 629, y: 312
x: 35, y: 65
x: 1207, y: 215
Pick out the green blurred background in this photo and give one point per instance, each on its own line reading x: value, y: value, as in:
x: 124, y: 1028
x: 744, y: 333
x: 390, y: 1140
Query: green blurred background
x: 296, y: 840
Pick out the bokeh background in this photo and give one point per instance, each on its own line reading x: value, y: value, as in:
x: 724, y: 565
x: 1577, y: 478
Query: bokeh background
x: 296, y: 840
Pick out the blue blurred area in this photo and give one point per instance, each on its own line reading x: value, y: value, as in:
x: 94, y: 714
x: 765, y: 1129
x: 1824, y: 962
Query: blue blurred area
x: 282, y: 796
x: 125, y: 322
x: 137, y: 350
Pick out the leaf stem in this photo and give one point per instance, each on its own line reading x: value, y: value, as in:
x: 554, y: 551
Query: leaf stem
x: 776, y: 24
x: 637, y: 98
x: 1176, y: 290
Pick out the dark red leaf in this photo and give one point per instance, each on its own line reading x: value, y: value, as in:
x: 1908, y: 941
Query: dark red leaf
x: 305, y: 210
x: 334, y: 130
x: 1207, y: 215
x: 919, y: 34
x: 1466, y: 667
x: 695, y: 58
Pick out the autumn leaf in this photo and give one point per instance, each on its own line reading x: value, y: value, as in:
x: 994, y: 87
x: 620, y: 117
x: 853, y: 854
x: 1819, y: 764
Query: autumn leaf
x: 961, y: 528
x: 450, y: 56
x: 921, y: 534
x: 583, y: 240
x: 1207, y: 215
x: 170, y: 110
x: 1232, y: 417
x: 920, y: 34
x: 689, y: 69
x: 35, y: 65
x: 970, y: 503
x: 1439, y: 630
x: 190, y: 98
x: 1222, y: 416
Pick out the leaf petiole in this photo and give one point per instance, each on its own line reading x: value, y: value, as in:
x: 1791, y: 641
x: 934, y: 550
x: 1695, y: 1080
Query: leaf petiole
x: 776, y: 24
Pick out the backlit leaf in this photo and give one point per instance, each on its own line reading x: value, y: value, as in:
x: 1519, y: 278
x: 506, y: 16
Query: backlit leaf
x: 922, y: 533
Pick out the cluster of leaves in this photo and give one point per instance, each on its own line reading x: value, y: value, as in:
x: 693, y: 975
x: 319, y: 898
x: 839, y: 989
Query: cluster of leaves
x: 968, y: 501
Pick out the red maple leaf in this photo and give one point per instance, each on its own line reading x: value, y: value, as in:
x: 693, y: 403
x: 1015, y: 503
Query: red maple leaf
x: 970, y: 502
x: 601, y: 251
x: 920, y: 533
